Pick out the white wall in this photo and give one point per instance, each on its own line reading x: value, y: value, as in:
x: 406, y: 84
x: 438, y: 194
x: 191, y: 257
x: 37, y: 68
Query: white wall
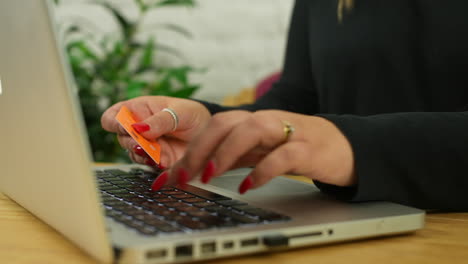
x: 238, y: 42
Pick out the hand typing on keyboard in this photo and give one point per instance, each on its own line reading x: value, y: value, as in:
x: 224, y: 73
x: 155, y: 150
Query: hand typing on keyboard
x: 127, y: 198
x: 274, y: 142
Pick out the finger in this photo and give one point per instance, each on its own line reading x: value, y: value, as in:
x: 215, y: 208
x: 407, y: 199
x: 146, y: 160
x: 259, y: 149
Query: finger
x: 158, y: 124
x: 259, y: 131
x: 202, y: 146
x: 172, y: 150
x: 108, y: 121
x: 280, y: 161
x: 139, y: 108
x: 126, y: 141
x: 129, y: 144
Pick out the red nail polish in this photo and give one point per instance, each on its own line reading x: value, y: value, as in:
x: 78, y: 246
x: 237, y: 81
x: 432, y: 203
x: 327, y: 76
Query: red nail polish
x: 160, y: 181
x: 150, y: 162
x: 161, y: 167
x: 183, y: 176
x: 139, y: 151
x: 208, y: 172
x: 245, y: 185
x: 141, y: 127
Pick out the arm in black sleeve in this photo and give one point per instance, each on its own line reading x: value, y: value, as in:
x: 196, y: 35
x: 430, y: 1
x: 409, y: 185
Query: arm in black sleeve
x: 418, y: 159
x: 295, y: 90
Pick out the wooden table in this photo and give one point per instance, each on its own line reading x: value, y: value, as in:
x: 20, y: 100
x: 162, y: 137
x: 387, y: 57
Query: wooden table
x: 25, y: 239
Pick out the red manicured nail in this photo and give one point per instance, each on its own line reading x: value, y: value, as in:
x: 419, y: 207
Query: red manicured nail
x: 150, y: 162
x: 161, y: 167
x: 139, y: 151
x: 183, y: 176
x: 245, y: 185
x: 208, y: 172
x: 141, y: 127
x: 160, y: 181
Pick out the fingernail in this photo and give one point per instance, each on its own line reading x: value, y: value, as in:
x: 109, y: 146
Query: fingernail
x: 160, y: 181
x: 183, y: 176
x: 139, y: 151
x: 141, y: 127
x: 208, y: 172
x: 150, y: 162
x: 245, y: 185
x: 161, y: 167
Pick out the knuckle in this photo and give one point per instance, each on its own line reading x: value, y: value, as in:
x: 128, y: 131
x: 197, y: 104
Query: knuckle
x: 228, y: 118
x: 264, y: 120
x: 218, y: 120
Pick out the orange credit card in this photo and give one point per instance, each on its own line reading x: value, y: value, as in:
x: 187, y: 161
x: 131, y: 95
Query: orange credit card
x: 126, y: 120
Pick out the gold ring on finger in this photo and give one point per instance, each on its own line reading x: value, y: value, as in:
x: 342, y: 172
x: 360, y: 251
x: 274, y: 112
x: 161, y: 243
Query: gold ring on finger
x: 288, y: 130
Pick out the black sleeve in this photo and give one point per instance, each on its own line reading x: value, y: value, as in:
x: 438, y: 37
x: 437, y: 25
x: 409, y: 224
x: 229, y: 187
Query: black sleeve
x: 418, y: 159
x: 295, y: 90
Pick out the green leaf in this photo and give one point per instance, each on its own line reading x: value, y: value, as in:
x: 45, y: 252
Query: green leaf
x: 186, y: 92
x: 135, y: 89
x: 83, y: 48
x: 181, y: 74
x: 170, y: 50
x: 148, y: 53
x: 176, y: 28
x: 128, y: 28
x: 189, y: 3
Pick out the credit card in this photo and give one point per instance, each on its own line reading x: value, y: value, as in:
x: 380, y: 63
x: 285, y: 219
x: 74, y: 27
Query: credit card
x: 126, y: 119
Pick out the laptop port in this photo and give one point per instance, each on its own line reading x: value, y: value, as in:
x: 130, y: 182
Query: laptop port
x: 208, y: 248
x: 155, y: 254
x: 228, y: 245
x: 184, y: 251
x: 249, y: 242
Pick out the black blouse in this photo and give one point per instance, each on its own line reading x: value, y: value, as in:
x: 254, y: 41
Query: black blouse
x: 393, y: 76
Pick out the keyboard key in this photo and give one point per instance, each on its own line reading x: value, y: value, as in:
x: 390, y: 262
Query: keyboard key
x: 173, y: 192
x: 261, y: 213
x: 116, y: 172
x: 203, y: 193
x: 194, y: 200
x: 187, y: 209
x: 176, y: 204
x: 199, y: 213
x: 230, y: 202
x: 183, y: 196
x: 193, y: 224
x: 166, y: 200
x: 203, y: 204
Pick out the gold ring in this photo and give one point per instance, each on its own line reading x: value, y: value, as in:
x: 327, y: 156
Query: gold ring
x: 288, y: 129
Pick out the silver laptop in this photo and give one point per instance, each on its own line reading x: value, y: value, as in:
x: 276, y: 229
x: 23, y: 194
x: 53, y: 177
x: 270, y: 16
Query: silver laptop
x: 46, y: 167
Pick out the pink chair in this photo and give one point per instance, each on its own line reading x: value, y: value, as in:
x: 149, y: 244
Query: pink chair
x: 264, y: 85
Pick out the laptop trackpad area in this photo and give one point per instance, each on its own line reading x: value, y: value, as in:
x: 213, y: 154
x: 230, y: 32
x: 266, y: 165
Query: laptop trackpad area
x: 299, y: 200
x: 281, y: 194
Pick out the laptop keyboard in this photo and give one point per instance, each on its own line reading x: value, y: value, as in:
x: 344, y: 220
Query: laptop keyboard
x: 127, y: 198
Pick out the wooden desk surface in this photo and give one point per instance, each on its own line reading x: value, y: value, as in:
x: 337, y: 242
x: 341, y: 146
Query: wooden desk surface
x: 25, y: 239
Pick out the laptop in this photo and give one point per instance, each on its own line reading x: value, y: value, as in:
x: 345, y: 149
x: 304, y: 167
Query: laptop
x: 110, y: 212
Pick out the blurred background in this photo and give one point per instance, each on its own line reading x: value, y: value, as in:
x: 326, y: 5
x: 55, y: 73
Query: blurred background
x: 213, y: 50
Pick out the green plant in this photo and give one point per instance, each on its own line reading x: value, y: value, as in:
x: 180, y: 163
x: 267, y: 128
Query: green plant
x: 108, y: 71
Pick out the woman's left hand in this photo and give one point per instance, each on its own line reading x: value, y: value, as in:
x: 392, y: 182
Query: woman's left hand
x: 316, y: 149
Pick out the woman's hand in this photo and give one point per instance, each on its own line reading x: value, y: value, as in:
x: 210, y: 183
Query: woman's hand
x: 316, y: 149
x: 155, y: 123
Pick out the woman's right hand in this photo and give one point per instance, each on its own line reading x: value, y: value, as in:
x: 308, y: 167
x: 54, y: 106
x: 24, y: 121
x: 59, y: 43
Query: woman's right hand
x: 157, y: 124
